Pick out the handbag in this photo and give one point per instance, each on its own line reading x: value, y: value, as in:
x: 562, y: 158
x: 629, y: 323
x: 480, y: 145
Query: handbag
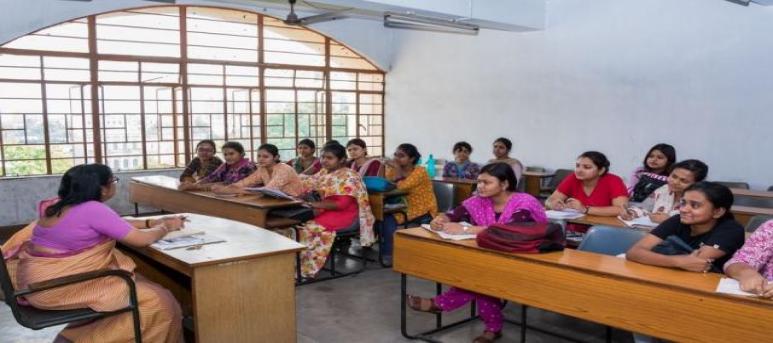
x: 673, y: 245
x: 528, y: 238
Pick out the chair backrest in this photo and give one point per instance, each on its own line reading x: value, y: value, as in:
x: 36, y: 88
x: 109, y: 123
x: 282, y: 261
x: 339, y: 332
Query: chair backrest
x: 535, y: 169
x: 610, y: 240
x: 734, y: 184
x: 744, y: 200
x: 8, y: 289
x: 770, y: 189
x: 444, y: 193
x: 559, y: 176
x: 756, y: 221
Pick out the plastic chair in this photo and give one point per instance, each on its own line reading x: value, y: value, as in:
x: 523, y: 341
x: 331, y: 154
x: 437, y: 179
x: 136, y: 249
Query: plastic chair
x: 340, y: 247
x: 770, y: 189
x: 610, y: 240
x: 444, y: 193
x: 559, y: 176
x: 756, y: 221
x: 37, y: 319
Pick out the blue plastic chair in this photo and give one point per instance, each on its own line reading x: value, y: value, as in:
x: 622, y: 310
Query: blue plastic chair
x: 610, y: 240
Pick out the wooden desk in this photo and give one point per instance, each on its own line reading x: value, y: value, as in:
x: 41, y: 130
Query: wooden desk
x: 242, y: 290
x: 377, y: 199
x: 161, y: 192
x: 463, y: 188
x: 533, y: 181
x: 749, y: 198
x: 742, y: 214
x: 667, y: 303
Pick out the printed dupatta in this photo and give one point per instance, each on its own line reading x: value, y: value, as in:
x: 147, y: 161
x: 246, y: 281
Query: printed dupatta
x: 345, y: 181
x: 482, y: 209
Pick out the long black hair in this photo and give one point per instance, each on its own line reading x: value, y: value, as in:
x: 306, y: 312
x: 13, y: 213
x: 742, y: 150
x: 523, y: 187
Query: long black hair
x: 719, y: 195
x: 336, y: 149
x: 698, y: 169
x: 80, y: 184
x: 410, y: 150
x: 503, y: 172
x: 271, y: 149
x: 666, y: 149
x: 598, y: 159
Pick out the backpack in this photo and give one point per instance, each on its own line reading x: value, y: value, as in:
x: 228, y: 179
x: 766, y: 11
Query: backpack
x: 530, y: 238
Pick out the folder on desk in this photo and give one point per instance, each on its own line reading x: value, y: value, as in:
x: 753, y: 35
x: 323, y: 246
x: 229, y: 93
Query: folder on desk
x: 274, y: 193
x: 186, y: 241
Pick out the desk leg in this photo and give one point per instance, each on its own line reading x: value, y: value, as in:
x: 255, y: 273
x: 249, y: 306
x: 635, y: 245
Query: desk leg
x: 136, y: 209
x: 439, y: 321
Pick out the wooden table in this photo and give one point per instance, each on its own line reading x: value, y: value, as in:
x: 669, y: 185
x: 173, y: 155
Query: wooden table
x: 533, y: 181
x: 667, y: 303
x: 377, y: 199
x: 463, y: 188
x: 742, y: 214
x: 161, y: 192
x: 241, y: 290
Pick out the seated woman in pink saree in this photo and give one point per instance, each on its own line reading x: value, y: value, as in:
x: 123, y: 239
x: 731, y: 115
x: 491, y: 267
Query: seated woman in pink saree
x: 496, y: 203
x: 77, y: 233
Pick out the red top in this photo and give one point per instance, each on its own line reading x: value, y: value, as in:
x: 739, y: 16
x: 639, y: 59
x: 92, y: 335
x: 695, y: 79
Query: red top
x: 343, y: 217
x: 609, y: 186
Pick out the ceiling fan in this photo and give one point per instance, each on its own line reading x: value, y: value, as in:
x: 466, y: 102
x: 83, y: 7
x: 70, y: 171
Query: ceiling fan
x: 293, y: 19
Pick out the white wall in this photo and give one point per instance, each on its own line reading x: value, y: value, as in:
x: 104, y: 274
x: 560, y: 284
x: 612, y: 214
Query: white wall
x: 611, y: 75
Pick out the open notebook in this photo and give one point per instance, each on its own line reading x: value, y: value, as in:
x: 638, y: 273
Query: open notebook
x: 185, y: 238
x: 452, y: 237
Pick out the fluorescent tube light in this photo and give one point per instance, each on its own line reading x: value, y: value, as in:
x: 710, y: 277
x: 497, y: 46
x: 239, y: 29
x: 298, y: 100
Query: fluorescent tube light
x: 414, y: 22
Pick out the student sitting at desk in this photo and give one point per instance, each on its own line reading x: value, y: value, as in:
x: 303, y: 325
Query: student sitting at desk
x: 752, y: 265
x: 344, y: 202
x: 203, y: 164
x: 590, y: 190
x: 653, y: 173
x: 359, y: 160
x: 76, y: 233
x: 235, y: 168
x: 461, y: 167
x: 705, y: 223
x: 502, y: 147
x: 664, y: 202
x: 496, y: 203
x: 422, y: 205
x: 271, y: 173
x: 306, y: 163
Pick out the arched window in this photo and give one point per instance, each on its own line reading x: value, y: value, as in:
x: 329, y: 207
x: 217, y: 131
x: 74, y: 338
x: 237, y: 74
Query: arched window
x: 145, y: 85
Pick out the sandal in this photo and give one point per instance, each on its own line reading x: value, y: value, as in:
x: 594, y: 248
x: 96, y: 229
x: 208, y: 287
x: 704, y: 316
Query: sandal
x: 422, y: 304
x: 488, y: 337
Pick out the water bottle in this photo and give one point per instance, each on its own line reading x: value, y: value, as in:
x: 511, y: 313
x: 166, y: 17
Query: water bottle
x: 431, y: 166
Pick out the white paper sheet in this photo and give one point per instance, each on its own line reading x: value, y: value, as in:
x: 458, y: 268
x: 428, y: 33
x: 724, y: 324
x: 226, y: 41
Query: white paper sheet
x: 445, y: 235
x: 731, y: 286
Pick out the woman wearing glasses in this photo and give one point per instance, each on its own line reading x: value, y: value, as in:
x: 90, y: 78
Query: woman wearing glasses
x: 203, y: 164
x: 76, y: 233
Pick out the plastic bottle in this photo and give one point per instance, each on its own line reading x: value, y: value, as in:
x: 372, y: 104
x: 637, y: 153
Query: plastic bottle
x: 431, y: 166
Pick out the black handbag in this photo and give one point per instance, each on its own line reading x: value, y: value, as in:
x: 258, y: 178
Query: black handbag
x: 300, y: 213
x: 673, y: 245
x: 646, y: 185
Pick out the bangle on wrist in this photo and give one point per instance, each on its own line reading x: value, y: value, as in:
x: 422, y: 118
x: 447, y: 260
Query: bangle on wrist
x: 147, y: 223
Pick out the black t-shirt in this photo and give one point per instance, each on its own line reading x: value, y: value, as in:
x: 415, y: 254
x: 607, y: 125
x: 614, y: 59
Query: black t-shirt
x: 727, y: 235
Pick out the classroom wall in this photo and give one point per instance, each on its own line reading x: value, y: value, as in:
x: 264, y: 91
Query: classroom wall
x: 612, y: 75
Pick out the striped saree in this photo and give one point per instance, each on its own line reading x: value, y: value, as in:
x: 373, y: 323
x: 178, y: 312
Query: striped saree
x: 160, y: 314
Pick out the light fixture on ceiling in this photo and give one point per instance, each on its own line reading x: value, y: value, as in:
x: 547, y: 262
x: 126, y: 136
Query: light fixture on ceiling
x: 740, y: 2
x: 423, y: 23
